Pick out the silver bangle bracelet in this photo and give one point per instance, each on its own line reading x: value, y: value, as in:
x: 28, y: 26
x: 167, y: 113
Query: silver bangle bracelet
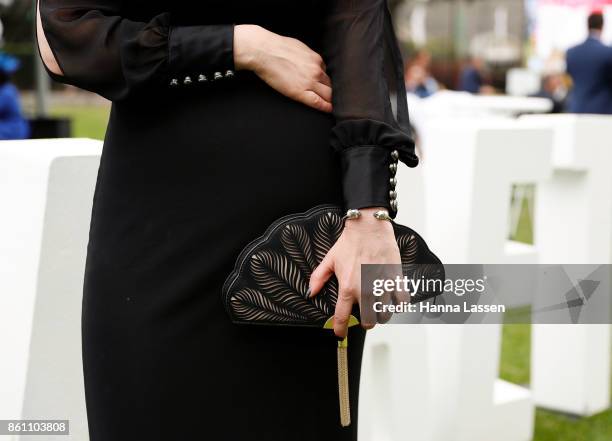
x: 351, y: 214
x: 383, y: 215
x: 354, y: 213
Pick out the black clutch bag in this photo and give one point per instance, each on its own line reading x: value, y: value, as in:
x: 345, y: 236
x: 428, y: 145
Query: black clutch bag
x: 269, y: 283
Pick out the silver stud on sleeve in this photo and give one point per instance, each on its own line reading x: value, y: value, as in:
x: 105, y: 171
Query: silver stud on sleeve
x: 393, y: 199
x: 393, y: 181
x: 217, y: 76
x: 173, y: 82
x: 229, y: 74
x: 202, y: 78
x: 187, y: 81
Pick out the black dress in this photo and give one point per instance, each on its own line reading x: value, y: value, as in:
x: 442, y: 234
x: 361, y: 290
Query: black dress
x: 198, y: 160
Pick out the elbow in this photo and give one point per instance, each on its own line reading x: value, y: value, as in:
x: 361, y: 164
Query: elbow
x: 46, y: 53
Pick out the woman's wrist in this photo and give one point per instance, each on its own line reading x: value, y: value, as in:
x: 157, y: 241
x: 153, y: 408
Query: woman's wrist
x: 248, y: 41
x: 367, y: 221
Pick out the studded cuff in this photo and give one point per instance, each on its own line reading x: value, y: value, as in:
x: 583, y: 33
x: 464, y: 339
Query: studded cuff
x: 200, y: 54
x: 369, y: 177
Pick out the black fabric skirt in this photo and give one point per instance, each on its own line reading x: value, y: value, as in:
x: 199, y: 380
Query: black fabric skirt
x: 186, y: 180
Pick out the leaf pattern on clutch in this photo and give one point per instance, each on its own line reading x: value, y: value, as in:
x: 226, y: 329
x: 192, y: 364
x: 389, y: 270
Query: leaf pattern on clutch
x: 273, y: 272
x: 278, y: 277
x: 409, y: 252
x: 329, y: 295
x: 327, y: 231
x: 249, y: 304
x: 297, y: 244
x: 408, y: 248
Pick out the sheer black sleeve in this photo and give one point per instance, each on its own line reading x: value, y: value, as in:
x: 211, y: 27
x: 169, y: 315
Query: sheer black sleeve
x: 365, y: 65
x: 101, y: 50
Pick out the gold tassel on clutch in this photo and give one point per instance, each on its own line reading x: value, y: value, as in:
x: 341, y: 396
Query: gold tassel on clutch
x: 343, y: 383
x: 343, y: 378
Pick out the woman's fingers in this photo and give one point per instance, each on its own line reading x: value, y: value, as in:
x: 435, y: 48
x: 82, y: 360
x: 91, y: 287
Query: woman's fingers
x: 323, y: 78
x: 388, y: 298
x: 323, y: 91
x: 344, y: 307
x: 349, y: 295
x: 385, y: 315
x: 320, y: 275
x: 321, y: 85
x: 315, y: 101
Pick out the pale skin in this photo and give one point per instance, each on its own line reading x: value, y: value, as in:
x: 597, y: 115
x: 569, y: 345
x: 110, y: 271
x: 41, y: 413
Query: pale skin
x: 293, y: 69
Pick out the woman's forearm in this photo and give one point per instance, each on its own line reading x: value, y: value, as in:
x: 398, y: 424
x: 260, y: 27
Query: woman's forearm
x: 247, y: 40
x: 43, y: 46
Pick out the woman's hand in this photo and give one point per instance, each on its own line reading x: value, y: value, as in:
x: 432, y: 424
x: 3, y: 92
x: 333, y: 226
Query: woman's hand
x: 285, y: 64
x: 364, y: 240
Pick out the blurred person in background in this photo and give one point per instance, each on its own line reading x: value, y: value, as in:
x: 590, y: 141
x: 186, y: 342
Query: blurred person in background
x: 554, y: 88
x: 12, y: 123
x: 418, y: 78
x: 473, y: 78
x: 590, y: 66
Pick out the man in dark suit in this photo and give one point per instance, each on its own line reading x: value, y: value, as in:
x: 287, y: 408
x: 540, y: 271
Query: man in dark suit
x: 590, y: 66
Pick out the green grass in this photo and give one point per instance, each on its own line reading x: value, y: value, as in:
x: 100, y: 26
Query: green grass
x: 524, y: 231
x: 87, y: 121
x: 91, y: 121
x: 516, y: 347
x: 549, y: 426
x: 555, y: 427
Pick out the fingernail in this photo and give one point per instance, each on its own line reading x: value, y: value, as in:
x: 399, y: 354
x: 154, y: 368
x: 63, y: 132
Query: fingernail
x: 309, y: 292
